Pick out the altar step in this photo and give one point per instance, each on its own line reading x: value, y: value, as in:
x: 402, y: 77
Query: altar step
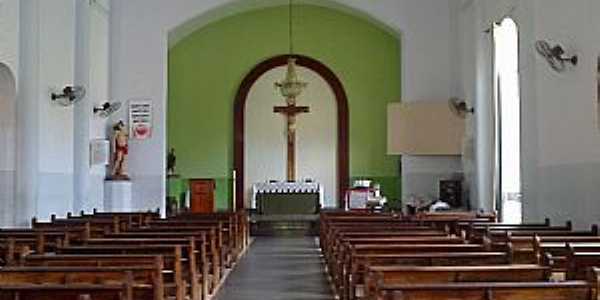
x: 284, y: 225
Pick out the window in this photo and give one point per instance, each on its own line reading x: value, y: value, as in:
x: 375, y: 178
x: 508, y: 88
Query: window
x: 508, y: 121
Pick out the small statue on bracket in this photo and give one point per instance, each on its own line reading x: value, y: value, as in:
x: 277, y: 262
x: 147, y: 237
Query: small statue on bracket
x: 120, y: 152
x: 171, y: 162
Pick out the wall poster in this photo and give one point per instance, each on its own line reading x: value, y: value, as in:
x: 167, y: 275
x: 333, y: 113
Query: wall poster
x: 140, y: 119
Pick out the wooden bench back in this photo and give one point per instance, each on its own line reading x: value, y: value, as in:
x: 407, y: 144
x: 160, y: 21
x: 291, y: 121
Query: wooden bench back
x: 415, y: 248
x: 144, y: 282
x: 571, y: 290
x: 580, y: 265
x: 410, y: 275
x: 360, y: 263
x: 185, y: 272
x: 66, y: 291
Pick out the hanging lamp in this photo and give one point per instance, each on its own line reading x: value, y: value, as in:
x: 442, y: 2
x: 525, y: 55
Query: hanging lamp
x: 291, y: 86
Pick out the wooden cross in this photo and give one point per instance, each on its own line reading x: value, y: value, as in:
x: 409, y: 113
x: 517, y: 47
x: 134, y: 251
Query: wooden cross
x: 290, y: 111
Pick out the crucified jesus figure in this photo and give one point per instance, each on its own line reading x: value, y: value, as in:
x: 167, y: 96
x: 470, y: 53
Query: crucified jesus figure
x: 290, y: 111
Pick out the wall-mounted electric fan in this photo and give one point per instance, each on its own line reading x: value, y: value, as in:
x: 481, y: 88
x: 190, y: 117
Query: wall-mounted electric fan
x: 555, y: 56
x: 459, y: 107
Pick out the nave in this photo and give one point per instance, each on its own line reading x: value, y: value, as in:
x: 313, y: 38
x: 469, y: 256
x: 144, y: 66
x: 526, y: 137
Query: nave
x: 427, y: 149
x: 279, y: 268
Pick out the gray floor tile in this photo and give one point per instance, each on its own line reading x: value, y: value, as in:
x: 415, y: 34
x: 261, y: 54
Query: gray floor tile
x: 278, y: 269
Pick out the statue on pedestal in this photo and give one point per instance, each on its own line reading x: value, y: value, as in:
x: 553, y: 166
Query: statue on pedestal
x: 171, y: 161
x: 120, y: 147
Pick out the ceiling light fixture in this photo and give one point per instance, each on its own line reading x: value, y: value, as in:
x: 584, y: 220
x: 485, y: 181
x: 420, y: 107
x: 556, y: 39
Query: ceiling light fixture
x: 291, y: 86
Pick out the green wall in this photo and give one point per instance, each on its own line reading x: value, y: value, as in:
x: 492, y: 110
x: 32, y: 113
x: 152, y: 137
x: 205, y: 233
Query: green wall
x: 206, y: 68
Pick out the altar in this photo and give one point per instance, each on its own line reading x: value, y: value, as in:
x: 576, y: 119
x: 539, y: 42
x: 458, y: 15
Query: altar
x: 278, y: 198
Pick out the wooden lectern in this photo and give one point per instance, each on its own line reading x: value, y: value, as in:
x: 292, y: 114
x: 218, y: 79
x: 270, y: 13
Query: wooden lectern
x: 202, y: 195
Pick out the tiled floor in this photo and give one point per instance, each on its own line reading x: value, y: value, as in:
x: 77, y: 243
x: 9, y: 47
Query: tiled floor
x: 278, y: 269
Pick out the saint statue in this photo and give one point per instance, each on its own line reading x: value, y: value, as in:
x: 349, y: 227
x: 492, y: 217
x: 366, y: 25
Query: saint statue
x: 171, y: 161
x: 120, y: 151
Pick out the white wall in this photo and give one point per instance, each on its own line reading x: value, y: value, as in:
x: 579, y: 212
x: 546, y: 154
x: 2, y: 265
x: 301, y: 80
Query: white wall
x: 568, y: 155
x: 39, y: 41
x: 560, y: 139
x: 140, y: 29
x: 316, y: 134
x: 9, y: 34
x: 9, y: 30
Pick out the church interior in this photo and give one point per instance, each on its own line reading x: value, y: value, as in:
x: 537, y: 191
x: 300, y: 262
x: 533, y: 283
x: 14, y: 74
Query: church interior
x: 299, y: 149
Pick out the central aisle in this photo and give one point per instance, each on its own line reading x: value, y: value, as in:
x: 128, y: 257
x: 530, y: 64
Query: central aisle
x: 277, y: 269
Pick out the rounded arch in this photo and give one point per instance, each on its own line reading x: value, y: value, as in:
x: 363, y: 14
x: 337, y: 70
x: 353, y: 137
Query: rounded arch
x: 329, y: 76
x: 8, y: 94
x: 182, y: 30
x: 8, y: 135
x: 7, y: 81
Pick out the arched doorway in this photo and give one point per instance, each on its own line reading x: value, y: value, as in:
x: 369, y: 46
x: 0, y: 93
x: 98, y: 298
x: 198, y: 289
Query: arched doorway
x: 8, y: 141
x: 342, y: 120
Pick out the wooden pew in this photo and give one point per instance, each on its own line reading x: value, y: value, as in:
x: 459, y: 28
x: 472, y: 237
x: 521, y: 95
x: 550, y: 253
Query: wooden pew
x: 224, y: 237
x: 559, y: 247
x: 332, y: 235
x: 580, y: 264
x: 197, y: 246
x: 342, y: 233
x: 464, y: 215
x: 341, y: 273
x: 118, y: 226
x: 206, y: 238
x: 476, y: 232
x: 143, y: 282
x: 126, y: 237
x: 451, y: 220
x: 92, y: 228
x: 411, y: 275
x: 39, y: 241
x: 364, y: 221
x: 65, y: 291
x: 10, y: 251
x: 46, y: 239
x: 219, y: 252
x: 524, y: 243
x: 569, y: 290
x: 238, y: 223
x: 339, y: 247
x: 466, y: 225
x: 138, y: 218
x: 178, y: 258
x: 344, y: 251
x: 164, y: 277
x: 360, y: 263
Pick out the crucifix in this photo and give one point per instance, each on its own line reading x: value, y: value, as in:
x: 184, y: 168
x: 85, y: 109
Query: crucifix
x: 290, y: 111
x: 291, y: 87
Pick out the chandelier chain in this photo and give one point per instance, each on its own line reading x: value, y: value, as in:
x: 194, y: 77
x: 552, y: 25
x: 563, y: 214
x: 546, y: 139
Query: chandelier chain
x: 290, y: 25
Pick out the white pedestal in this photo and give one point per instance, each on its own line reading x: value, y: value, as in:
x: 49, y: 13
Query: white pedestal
x: 117, y: 196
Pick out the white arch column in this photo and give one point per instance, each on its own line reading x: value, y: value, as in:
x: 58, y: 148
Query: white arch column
x: 28, y: 114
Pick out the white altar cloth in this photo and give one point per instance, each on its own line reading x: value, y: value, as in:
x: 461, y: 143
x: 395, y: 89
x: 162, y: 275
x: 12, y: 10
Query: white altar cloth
x: 285, y: 187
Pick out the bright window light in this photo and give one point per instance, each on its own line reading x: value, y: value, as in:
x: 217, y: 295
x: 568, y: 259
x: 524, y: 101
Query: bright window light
x: 508, y: 117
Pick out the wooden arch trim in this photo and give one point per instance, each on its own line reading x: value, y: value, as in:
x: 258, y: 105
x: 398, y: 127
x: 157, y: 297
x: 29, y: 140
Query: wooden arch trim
x: 343, y: 151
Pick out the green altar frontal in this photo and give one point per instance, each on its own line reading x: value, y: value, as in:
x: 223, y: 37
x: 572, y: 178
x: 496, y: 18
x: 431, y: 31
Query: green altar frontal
x: 287, y: 203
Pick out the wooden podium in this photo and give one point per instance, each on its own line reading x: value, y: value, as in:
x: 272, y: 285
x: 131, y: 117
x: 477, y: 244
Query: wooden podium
x: 202, y: 195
